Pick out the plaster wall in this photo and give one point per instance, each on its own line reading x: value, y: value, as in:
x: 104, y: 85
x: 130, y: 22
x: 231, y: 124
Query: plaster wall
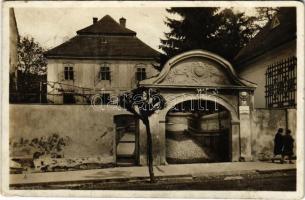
x: 255, y: 69
x: 86, y: 75
x: 87, y: 132
x: 264, y: 125
x: 292, y: 120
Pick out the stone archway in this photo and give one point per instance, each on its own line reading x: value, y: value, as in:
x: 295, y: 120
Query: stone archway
x: 160, y: 119
x: 183, y: 78
x: 175, y: 99
x: 198, y: 131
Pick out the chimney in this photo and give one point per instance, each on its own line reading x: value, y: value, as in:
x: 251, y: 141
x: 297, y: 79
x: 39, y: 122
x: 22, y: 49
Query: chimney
x: 94, y: 20
x: 123, y: 22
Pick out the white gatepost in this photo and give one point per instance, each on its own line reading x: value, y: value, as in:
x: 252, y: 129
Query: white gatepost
x: 245, y: 127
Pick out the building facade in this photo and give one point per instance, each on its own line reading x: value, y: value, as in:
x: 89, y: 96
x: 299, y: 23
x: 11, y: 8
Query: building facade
x: 269, y: 60
x: 101, y: 61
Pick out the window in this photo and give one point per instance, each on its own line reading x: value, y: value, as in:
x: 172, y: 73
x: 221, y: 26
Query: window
x: 281, y: 84
x: 105, y: 72
x: 141, y: 74
x: 69, y: 73
x: 68, y: 98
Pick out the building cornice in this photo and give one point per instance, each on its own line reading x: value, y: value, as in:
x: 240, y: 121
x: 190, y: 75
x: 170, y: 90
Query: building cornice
x: 97, y: 58
x: 222, y: 87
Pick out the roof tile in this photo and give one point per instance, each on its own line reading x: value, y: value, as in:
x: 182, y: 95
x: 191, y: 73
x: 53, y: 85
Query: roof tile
x: 104, y: 39
x: 106, y: 26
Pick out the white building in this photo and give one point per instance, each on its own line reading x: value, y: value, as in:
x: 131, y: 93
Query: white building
x: 269, y: 60
x: 104, y: 58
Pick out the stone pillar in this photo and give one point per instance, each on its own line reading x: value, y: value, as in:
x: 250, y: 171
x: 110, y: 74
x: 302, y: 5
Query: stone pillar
x: 235, y: 145
x: 245, y: 127
x: 161, y: 138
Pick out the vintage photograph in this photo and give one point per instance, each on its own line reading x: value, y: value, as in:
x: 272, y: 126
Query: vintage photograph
x: 165, y: 98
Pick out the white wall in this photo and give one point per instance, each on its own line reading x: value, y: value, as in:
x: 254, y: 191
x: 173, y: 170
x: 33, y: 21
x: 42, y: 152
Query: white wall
x: 255, y: 70
x: 86, y: 75
x: 264, y: 125
x: 89, y: 131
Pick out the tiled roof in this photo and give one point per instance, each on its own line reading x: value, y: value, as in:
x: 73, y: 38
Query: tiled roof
x: 103, y: 47
x: 270, y: 36
x: 105, y: 39
x: 106, y: 26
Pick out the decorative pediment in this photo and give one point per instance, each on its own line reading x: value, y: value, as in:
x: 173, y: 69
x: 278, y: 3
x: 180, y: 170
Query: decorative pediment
x: 197, y: 68
x: 196, y: 72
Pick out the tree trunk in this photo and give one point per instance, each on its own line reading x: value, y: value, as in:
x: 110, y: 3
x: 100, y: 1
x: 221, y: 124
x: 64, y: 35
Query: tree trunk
x: 149, y: 151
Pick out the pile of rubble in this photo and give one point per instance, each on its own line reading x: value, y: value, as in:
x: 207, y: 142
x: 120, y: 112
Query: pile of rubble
x: 49, y: 164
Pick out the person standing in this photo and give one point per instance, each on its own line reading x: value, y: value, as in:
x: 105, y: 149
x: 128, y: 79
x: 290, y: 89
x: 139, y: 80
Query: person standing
x: 278, y: 142
x: 287, y: 146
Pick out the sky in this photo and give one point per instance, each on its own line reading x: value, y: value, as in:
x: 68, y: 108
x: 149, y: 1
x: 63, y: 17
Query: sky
x: 52, y: 26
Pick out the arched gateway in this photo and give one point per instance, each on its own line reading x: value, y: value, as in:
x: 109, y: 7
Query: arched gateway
x: 199, y: 87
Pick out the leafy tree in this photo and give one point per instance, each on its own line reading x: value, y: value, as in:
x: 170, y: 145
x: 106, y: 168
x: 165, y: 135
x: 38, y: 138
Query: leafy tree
x: 193, y: 31
x: 220, y: 31
x: 143, y: 102
x: 265, y: 14
x: 235, y: 30
x: 31, y: 73
x: 30, y: 57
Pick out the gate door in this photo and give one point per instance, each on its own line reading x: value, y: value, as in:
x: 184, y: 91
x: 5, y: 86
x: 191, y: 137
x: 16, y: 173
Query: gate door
x: 126, y: 147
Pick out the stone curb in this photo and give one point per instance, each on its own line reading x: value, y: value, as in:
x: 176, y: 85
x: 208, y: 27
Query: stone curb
x: 99, y: 180
x: 146, y: 178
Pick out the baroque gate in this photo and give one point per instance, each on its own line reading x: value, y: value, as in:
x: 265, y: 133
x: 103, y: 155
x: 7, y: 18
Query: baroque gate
x: 199, y: 87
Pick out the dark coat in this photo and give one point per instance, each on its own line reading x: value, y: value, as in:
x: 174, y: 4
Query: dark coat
x: 278, y: 144
x: 287, y: 145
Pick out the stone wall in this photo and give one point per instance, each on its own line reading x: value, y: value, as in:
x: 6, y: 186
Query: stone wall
x: 265, y: 124
x: 84, y: 131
